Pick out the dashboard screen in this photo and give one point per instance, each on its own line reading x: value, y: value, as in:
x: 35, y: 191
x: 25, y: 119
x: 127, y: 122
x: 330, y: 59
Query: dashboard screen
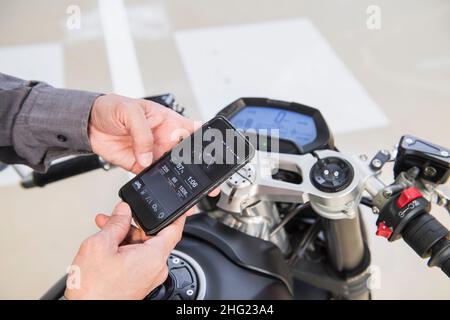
x: 292, y: 126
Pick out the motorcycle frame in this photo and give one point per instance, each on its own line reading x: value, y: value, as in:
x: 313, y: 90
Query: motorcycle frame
x: 348, y: 252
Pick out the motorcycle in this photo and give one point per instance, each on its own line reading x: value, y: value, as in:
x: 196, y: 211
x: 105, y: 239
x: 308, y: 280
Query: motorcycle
x: 289, y: 225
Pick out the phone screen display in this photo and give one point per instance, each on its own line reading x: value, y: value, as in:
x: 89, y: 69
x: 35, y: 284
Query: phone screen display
x: 169, y: 186
x: 182, y: 176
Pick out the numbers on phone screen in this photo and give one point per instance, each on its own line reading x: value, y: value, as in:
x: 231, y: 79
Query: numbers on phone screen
x: 165, y: 169
x: 182, y: 192
x: 192, y: 182
x: 180, y: 168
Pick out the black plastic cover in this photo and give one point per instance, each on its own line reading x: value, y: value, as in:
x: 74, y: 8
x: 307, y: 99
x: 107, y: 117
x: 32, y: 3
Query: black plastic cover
x: 432, y: 160
x: 251, y: 253
x: 331, y: 174
x: 398, y: 218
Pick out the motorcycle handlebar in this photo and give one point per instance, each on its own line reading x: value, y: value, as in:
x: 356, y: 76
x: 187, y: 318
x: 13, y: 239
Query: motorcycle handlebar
x: 63, y: 170
x: 406, y: 215
x: 428, y: 237
x: 445, y: 266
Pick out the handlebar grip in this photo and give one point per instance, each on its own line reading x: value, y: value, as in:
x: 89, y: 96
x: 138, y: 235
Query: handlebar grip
x: 63, y: 170
x: 428, y: 237
x: 423, y: 232
x: 446, y: 267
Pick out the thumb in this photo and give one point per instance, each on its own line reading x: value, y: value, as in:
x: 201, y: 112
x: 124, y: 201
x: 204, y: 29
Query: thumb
x: 118, y: 225
x: 166, y: 240
x: 101, y: 219
x: 141, y: 135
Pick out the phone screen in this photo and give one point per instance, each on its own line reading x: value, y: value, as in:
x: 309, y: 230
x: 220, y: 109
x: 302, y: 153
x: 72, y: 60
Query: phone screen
x: 183, y: 176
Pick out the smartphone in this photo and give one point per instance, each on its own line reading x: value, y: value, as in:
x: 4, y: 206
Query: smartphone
x: 182, y: 176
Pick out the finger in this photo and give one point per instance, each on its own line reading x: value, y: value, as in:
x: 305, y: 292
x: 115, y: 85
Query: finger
x: 197, y: 125
x: 137, y: 168
x: 185, y: 127
x: 214, y: 193
x: 134, y: 236
x: 166, y: 240
x: 177, y: 135
x: 118, y: 225
x: 101, y: 219
x: 190, y: 212
x: 136, y: 123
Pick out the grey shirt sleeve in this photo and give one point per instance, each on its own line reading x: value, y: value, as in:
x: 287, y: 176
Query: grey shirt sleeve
x: 39, y: 123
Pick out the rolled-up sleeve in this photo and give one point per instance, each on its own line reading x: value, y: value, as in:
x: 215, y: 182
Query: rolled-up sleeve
x: 41, y: 123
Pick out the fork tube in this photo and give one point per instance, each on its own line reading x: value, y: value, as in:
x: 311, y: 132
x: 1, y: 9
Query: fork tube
x: 345, y: 244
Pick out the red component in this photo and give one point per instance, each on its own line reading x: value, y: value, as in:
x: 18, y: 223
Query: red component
x: 407, y: 196
x: 383, y: 230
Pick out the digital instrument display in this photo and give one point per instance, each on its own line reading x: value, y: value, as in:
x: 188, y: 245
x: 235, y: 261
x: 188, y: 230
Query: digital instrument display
x: 292, y: 126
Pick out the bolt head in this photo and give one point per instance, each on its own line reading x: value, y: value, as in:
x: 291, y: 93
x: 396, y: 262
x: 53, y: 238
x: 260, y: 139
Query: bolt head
x: 444, y: 153
x: 409, y: 141
x: 376, y: 163
x: 430, y: 171
x: 387, y: 193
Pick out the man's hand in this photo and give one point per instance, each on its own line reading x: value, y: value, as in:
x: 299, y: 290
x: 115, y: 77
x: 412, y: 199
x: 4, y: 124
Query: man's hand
x: 120, y: 262
x: 131, y: 133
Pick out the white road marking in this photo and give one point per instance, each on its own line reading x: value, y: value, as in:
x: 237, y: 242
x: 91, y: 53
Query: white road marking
x: 123, y: 63
x: 287, y: 60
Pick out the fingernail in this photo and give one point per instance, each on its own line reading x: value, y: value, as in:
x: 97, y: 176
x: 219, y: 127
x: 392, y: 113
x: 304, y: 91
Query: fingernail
x: 145, y: 159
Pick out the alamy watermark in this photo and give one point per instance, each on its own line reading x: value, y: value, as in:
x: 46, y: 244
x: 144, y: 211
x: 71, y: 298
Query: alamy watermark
x: 73, y: 277
x: 374, y: 280
x: 373, y: 21
x: 73, y: 21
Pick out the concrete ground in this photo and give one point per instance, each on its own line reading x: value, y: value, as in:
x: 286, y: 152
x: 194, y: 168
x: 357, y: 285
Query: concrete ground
x: 404, y: 66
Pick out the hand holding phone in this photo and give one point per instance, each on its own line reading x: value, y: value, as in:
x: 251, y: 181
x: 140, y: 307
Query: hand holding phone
x: 181, y: 177
x: 121, y: 257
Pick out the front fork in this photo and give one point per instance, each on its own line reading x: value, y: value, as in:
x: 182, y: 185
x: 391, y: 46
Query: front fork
x: 348, y: 253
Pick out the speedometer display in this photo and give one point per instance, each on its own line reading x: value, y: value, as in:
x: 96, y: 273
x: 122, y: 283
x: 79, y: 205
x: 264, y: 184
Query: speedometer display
x: 292, y: 126
x: 301, y: 129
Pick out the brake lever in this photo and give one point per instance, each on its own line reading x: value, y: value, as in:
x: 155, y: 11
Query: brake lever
x: 443, y: 199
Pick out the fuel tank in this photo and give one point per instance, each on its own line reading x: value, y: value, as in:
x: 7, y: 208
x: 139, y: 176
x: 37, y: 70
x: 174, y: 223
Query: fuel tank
x: 214, y: 261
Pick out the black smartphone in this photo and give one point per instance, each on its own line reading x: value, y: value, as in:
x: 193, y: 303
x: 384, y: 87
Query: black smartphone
x: 182, y: 176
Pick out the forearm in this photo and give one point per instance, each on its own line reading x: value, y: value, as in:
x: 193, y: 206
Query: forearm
x: 39, y: 123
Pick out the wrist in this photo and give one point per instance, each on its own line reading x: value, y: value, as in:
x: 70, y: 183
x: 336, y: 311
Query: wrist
x: 51, y: 123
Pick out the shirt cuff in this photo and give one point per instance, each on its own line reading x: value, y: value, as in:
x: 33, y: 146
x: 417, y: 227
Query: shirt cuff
x: 52, y: 123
